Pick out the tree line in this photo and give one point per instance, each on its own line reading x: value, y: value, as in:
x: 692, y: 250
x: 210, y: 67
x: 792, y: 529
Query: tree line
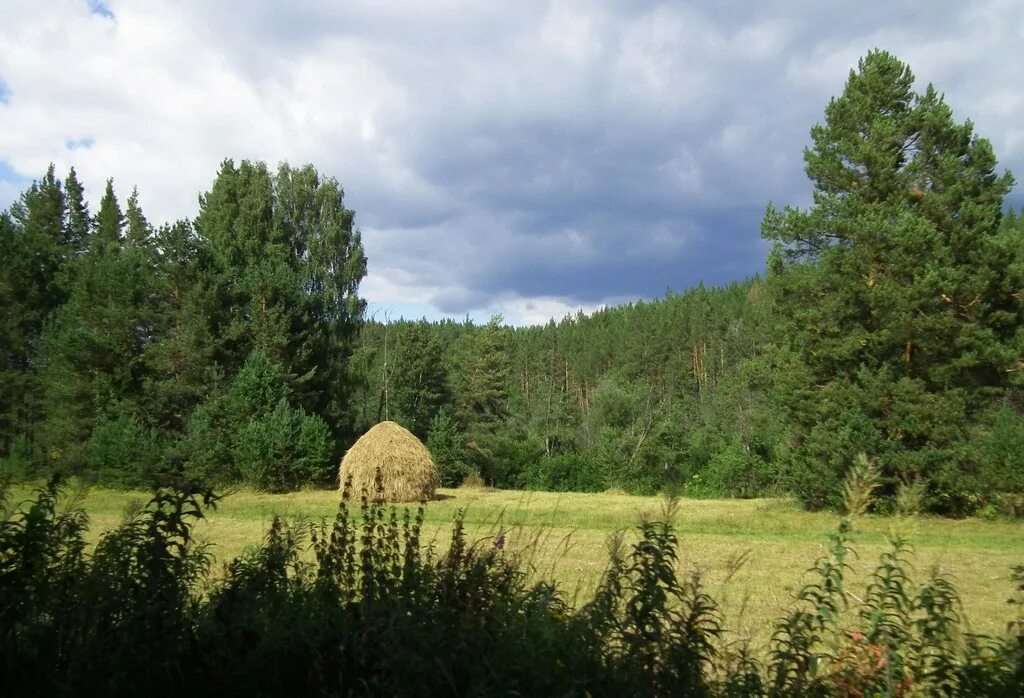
x: 219, y: 345
x: 890, y: 322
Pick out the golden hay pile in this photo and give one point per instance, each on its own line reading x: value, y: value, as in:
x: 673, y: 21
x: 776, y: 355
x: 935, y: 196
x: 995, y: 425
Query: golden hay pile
x: 408, y: 473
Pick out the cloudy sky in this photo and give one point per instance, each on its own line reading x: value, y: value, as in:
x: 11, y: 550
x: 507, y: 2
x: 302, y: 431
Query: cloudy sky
x: 528, y: 158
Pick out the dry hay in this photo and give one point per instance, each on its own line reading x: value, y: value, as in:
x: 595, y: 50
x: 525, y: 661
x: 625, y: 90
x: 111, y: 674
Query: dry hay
x: 407, y: 471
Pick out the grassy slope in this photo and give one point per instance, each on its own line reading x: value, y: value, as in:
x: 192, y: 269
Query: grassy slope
x: 565, y: 537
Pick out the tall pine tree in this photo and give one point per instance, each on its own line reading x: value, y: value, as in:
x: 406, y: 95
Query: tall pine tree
x: 94, y: 344
x: 895, y: 292
x: 36, y: 246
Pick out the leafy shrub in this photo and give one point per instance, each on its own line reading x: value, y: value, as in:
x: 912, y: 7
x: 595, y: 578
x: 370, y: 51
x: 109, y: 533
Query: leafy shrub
x: 733, y: 471
x: 122, y: 452
x: 504, y: 460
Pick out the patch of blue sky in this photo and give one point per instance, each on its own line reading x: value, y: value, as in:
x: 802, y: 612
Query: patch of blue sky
x: 80, y: 143
x: 101, y: 8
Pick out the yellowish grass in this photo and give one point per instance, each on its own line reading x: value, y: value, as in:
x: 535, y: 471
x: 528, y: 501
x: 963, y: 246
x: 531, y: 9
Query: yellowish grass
x: 564, y: 537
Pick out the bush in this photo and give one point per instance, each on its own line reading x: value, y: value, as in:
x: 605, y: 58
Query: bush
x: 283, y: 449
x: 504, y: 459
x: 122, y: 453
x: 566, y: 472
x: 733, y: 471
x: 19, y: 463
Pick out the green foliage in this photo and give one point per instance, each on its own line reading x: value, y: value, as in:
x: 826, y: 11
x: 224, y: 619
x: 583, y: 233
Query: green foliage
x: 19, y: 463
x: 1002, y: 471
x: 257, y: 389
x: 285, y: 267
x: 417, y: 383
x: 254, y: 432
x: 735, y: 470
x: 483, y: 378
x: 118, y: 617
x: 113, y: 329
x: 902, y: 642
x: 890, y: 323
x: 896, y: 292
x: 446, y: 445
x: 565, y: 472
x: 122, y: 452
x: 282, y: 449
x: 205, y: 447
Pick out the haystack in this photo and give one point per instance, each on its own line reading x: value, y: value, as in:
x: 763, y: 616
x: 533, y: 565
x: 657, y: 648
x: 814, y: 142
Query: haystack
x: 408, y: 473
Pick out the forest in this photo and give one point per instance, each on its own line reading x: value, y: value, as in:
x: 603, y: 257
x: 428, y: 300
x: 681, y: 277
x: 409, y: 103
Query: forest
x: 234, y: 347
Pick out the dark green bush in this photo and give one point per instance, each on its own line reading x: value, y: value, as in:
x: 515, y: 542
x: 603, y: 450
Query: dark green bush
x: 122, y: 451
x: 19, y: 463
x: 565, y: 472
x: 282, y: 449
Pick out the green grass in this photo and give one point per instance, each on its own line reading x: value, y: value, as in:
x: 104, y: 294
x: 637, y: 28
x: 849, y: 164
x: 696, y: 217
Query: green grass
x: 565, y: 537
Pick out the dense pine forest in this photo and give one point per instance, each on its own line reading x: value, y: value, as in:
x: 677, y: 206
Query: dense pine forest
x: 233, y: 347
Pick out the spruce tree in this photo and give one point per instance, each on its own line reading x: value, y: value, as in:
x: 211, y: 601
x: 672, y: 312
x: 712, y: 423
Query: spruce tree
x: 894, y: 292
x: 79, y: 222
x: 95, y: 341
x: 35, y: 250
x: 109, y: 223
x: 417, y: 380
x: 139, y: 230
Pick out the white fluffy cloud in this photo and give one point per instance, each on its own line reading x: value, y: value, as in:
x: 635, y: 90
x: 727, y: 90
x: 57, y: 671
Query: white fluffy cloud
x: 529, y: 158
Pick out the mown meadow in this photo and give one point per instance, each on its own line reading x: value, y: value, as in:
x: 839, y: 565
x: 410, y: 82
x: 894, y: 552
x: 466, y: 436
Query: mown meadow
x: 753, y: 554
x: 697, y: 599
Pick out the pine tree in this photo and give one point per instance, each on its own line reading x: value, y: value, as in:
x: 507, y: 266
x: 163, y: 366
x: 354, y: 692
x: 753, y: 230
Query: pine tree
x: 79, y: 222
x: 180, y: 361
x: 894, y: 291
x: 14, y: 374
x: 485, y: 373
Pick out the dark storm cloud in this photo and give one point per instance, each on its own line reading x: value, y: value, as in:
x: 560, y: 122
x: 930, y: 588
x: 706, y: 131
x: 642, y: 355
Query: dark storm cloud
x: 637, y: 187
x: 534, y: 156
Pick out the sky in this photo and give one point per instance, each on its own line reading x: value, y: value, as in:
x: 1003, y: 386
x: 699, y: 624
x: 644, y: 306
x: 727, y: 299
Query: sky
x: 525, y: 158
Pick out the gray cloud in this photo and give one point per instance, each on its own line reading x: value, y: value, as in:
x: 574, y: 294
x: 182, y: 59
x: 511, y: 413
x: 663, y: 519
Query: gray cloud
x: 526, y: 157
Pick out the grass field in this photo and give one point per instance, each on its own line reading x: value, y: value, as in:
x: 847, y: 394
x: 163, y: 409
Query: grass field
x: 565, y: 537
